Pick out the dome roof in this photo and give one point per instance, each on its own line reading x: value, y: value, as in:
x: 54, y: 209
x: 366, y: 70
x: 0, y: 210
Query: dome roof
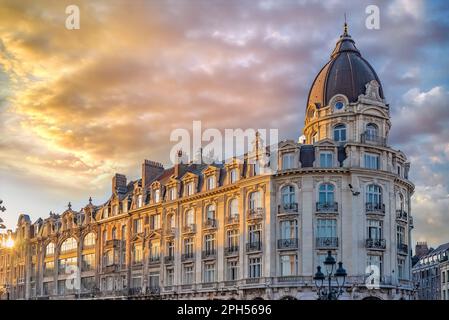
x: 346, y: 73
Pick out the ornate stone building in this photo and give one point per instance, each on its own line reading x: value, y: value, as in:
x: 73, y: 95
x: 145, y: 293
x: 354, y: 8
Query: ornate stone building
x: 197, y: 231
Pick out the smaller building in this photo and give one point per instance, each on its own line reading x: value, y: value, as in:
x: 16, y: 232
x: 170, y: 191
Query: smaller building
x: 431, y: 273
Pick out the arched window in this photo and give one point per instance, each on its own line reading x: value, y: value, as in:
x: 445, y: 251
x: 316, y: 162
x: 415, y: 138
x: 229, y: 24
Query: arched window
x: 190, y: 217
x: 371, y: 131
x: 89, y: 239
x: 50, y: 249
x: 340, y: 133
x: 69, y: 245
x: 374, y: 196
x: 234, y: 208
x: 210, y: 212
x: 254, y: 200
x: 326, y: 194
x: 288, y: 196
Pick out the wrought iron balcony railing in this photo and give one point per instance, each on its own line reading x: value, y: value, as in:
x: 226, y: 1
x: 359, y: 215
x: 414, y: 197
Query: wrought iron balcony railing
x: 233, y: 219
x: 187, y: 256
x: 210, y: 253
x: 375, y: 243
x: 402, y: 248
x: 326, y: 242
x: 291, y: 207
x: 401, y: 215
x: 256, y: 213
x: 231, y: 250
x: 254, y: 246
x: 154, y: 259
x: 327, y: 207
x: 189, y: 228
x: 373, y: 139
x: 375, y: 207
x: 291, y: 243
x: 210, y: 223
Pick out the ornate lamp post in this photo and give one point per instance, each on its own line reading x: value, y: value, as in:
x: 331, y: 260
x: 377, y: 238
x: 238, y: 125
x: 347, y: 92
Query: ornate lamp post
x: 329, y: 292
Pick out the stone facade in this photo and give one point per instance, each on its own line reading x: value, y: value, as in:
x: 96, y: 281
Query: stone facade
x: 229, y: 230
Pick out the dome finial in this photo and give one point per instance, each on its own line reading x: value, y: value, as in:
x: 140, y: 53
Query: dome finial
x: 345, y: 29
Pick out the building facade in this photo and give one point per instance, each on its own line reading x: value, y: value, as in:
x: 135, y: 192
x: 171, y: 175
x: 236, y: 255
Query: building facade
x: 430, y: 274
x: 229, y: 230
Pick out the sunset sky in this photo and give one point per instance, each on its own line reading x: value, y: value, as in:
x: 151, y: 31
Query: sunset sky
x: 77, y: 106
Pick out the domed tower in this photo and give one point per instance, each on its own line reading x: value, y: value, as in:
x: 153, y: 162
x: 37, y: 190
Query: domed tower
x: 346, y: 101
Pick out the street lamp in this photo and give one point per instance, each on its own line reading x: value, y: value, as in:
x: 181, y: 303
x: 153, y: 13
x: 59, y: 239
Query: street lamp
x: 330, y: 293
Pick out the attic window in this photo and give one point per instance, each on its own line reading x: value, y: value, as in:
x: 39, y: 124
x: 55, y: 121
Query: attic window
x: 210, y: 183
x: 339, y: 105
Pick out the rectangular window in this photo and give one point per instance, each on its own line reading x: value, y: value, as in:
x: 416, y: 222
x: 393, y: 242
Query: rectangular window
x: 287, y: 161
x: 157, y: 195
x: 48, y: 288
x: 289, y: 229
x: 209, y: 243
x: 88, y: 262
x: 374, y: 229
x: 254, y: 233
x: 326, y: 228
x: 374, y: 264
x: 232, y: 270
x: 289, y: 265
x: 400, y: 234
x: 154, y: 250
x: 255, y: 267
x: 137, y: 225
x: 401, y: 263
x: 155, y: 221
x: 233, y: 176
x: 189, y: 188
x: 188, y: 246
x: 136, y: 282
x: 371, y: 161
x: 209, y: 272
x: 170, y: 275
x: 87, y: 283
x: 188, y: 274
x: 171, y: 248
x: 233, y: 238
x: 210, y: 183
x: 326, y: 160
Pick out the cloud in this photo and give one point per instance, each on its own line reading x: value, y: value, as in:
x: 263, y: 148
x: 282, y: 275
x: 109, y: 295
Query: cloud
x: 78, y: 105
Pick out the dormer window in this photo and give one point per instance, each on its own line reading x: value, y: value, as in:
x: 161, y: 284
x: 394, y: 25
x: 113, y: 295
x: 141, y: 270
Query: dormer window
x: 157, y: 195
x: 105, y: 212
x: 139, y: 201
x: 172, y: 193
x: 210, y: 183
x: 326, y: 159
x: 233, y: 176
x: 189, y: 189
x: 287, y: 161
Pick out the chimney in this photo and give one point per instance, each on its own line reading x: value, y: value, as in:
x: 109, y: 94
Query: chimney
x: 421, y: 249
x: 150, y: 171
x: 119, y: 183
x: 178, y: 164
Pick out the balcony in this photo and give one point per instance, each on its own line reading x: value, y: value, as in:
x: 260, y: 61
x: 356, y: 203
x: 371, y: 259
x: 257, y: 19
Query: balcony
x: 401, y: 215
x: 229, y: 251
x: 254, y: 246
x: 187, y: 256
x: 373, y: 139
x: 113, y: 243
x: 288, y: 208
x: 169, y: 259
x: 170, y: 231
x: 411, y: 222
x: 255, y: 214
x: 234, y: 219
x: 209, y: 254
x: 291, y: 243
x: 252, y: 281
x: 210, y: 223
x: 135, y: 291
x: 375, y: 208
x: 110, y: 268
x: 326, y: 242
x: 376, y: 244
x: 190, y: 228
x: 154, y: 259
x: 153, y: 290
x: 327, y: 207
x: 402, y: 248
